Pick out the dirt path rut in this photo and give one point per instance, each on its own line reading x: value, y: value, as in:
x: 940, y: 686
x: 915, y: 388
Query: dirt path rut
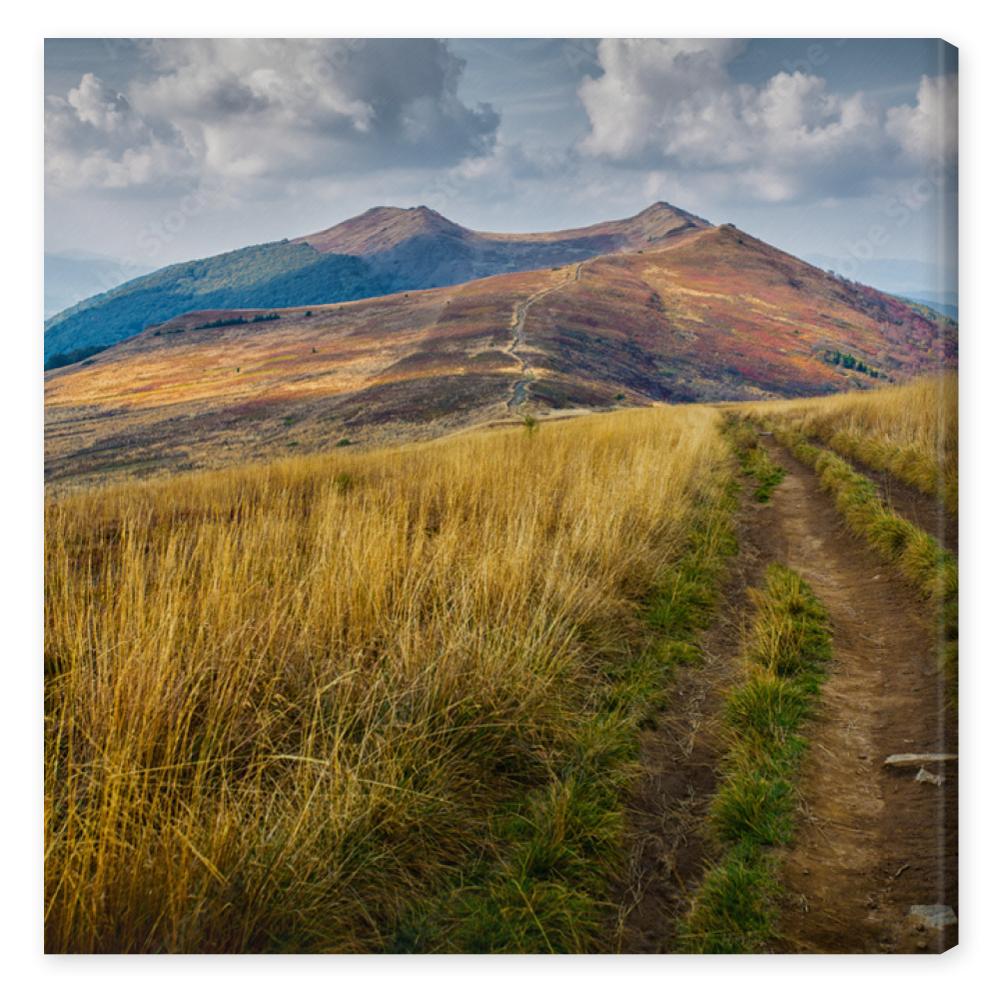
x: 871, y: 841
x: 519, y: 394
x: 669, y: 806
x: 924, y: 511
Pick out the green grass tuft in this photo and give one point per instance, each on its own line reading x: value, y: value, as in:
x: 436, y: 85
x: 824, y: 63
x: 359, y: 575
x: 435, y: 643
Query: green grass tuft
x: 918, y: 555
x: 754, y: 459
x: 735, y: 911
x: 787, y: 647
x: 790, y: 635
x: 767, y: 707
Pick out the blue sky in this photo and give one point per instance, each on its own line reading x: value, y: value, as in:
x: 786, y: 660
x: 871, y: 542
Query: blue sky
x: 841, y: 151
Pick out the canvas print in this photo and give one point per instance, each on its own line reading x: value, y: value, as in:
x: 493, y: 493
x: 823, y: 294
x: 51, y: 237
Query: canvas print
x: 501, y: 495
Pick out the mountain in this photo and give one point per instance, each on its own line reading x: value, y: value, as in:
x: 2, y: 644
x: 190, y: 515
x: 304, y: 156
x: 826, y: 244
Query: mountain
x: 933, y: 300
x: 75, y: 275
x: 272, y: 274
x: 419, y: 248
x: 383, y: 250
x: 709, y: 314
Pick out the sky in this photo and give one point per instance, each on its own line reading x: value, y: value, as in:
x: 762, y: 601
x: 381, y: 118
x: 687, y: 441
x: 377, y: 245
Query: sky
x: 841, y: 151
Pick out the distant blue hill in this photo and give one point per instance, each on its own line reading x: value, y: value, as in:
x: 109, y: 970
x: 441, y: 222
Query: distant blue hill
x: 949, y: 309
x: 74, y: 275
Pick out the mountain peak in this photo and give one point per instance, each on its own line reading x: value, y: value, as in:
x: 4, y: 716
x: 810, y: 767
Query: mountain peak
x: 385, y: 227
x: 393, y: 213
x: 659, y: 206
x: 379, y: 229
x: 660, y: 209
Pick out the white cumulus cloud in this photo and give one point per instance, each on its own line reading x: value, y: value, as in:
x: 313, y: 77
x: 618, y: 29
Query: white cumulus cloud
x: 94, y: 138
x: 674, y: 104
x: 270, y: 110
x: 928, y: 131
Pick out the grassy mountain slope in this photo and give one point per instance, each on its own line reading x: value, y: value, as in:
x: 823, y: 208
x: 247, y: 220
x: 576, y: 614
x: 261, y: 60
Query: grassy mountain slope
x: 713, y: 314
x: 725, y: 316
x: 269, y: 275
x: 382, y: 250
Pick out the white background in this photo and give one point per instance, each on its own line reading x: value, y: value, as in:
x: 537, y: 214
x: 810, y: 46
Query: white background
x: 25, y: 972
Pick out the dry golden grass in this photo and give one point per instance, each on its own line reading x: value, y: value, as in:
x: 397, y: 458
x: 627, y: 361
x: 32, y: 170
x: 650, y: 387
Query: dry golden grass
x: 909, y: 430
x: 283, y: 701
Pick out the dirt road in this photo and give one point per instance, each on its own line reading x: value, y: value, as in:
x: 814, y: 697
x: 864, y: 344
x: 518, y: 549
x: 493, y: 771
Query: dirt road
x: 871, y: 841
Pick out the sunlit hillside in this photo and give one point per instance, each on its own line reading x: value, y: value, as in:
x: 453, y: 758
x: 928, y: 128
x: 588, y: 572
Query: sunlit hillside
x: 708, y: 314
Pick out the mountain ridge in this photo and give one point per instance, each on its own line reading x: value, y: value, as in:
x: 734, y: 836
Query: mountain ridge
x: 711, y: 314
x: 383, y: 227
x: 381, y: 251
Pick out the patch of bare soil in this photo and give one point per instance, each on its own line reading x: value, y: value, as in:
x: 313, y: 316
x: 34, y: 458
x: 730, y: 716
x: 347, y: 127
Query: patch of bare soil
x: 679, y: 759
x: 871, y: 841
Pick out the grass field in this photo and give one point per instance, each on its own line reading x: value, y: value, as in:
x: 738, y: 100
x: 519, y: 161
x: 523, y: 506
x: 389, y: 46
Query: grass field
x: 910, y: 431
x: 285, y: 704
x: 392, y: 701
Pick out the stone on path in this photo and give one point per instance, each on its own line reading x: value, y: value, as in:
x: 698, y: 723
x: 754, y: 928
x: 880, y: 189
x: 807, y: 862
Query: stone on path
x: 929, y: 778
x: 935, y: 916
x: 918, y: 759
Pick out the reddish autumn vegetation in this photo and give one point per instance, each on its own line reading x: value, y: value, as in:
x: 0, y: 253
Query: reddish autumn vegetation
x: 705, y: 314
